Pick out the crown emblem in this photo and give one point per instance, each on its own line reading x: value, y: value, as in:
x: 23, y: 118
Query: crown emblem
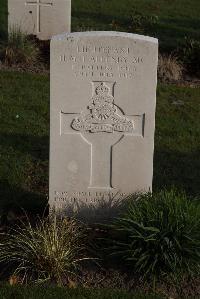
x: 102, y: 89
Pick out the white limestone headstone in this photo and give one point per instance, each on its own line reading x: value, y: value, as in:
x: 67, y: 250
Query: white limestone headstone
x: 103, y: 100
x: 43, y: 18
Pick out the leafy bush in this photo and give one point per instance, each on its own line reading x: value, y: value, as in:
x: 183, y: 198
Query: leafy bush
x: 49, y: 251
x: 18, y: 49
x: 159, y: 235
x: 169, y: 68
x: 189, y: 54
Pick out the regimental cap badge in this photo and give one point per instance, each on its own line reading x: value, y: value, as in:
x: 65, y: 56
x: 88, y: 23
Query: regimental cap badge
x: 102, y: 115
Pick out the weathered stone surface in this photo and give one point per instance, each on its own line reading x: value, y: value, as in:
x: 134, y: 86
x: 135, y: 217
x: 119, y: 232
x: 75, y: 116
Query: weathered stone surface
x: 43, y: 18
x: 103, y: 100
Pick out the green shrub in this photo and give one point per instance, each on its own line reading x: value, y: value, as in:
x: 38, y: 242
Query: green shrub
x: 49, y: 251
x: 189, y: 54
x: 159, y: 235
x: 18, y: 49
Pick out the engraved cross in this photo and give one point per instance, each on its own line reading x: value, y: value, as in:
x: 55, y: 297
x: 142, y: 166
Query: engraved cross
x: 38, y: 5
x: 102, y: 127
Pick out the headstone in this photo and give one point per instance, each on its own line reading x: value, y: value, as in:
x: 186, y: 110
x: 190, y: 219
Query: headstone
x: 43, y: 18
x: 103, y: 100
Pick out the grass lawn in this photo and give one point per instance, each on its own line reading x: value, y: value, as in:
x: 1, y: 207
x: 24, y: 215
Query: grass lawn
x: 24, y: 146
x: 177, y: 139
x: 61, y: 293
x: 176, y: 18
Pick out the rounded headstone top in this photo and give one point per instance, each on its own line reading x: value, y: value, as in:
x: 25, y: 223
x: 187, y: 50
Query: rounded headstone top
x: 115, y: 34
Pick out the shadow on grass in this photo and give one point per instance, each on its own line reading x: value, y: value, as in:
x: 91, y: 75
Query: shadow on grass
x: 186, y: 23
x: 179, y: 170
x: 36, y: 146
x: 172, y: 34
x: 14, y: 202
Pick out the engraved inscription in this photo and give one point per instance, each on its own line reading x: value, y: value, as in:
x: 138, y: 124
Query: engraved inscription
x: 103, y: 61
x: 101, y: 49
x: 38, y: 5
x: 64, y: 197
x: 103, y: 115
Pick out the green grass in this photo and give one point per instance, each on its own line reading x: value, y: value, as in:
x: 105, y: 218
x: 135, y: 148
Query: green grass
x: 176, y: 18
x: 7, y: 292
x: 177, y: 139
x: 24, y: 146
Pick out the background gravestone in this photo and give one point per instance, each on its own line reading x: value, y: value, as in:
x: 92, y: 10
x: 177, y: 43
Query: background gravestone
x: 3, y: 20
x: 43, y: 18
x: 103, y: 100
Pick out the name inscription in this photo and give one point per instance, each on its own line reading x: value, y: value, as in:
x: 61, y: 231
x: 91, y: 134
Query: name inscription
x: 104, y: 62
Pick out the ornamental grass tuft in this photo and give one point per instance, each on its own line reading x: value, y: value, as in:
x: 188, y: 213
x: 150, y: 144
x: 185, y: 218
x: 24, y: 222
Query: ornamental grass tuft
x: 169, y: 69
x: 49, y: 251
x: 18, y: 48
